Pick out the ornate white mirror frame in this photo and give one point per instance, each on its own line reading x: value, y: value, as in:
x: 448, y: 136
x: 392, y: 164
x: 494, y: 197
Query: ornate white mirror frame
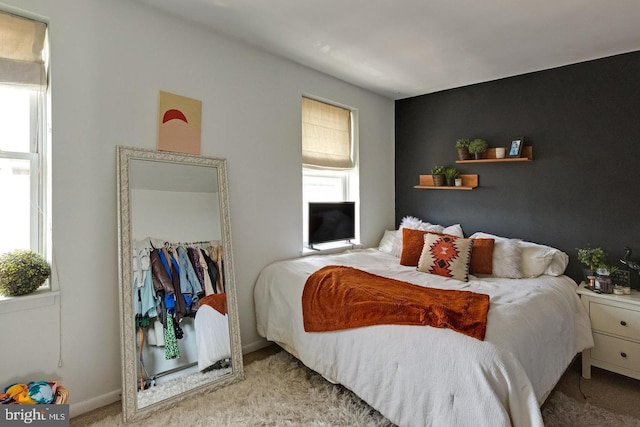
x: 126, y: 156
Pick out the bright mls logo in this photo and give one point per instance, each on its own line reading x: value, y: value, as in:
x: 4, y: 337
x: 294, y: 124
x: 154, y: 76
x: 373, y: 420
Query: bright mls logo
x: 35, y: 415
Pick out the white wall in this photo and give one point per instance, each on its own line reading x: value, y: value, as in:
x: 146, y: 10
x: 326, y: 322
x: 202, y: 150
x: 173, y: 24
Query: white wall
x: 109, y: 61
x: 194, y: 217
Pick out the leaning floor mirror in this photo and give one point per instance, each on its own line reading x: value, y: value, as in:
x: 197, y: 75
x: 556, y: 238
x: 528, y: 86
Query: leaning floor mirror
x: 178, y: 311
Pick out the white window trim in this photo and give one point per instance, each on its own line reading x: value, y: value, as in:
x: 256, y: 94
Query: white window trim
x: 40, y: 234
x: 352, y: 183
x: 40, y: 298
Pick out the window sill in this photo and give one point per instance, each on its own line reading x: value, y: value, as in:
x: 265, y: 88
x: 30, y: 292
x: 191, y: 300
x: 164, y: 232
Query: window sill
x: 37, y: 299
x: 330, y: 248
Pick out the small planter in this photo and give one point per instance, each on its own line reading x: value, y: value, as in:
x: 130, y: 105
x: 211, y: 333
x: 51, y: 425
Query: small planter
x: 451, y: 182
x: 478, y: 147
x: 438, y: 180
x: 463, y: 154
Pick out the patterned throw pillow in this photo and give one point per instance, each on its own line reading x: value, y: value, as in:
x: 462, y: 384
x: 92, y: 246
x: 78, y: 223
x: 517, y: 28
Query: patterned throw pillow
x: 446, y: 256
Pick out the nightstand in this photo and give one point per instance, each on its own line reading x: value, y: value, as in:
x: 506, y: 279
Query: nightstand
x: 615, y: 323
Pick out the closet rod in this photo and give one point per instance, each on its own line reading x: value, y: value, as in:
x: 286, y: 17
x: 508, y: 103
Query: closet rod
x: 172, y: 370
x: 196, y: 243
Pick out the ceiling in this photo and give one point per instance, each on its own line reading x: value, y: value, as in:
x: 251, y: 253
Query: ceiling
x: 403, y: 48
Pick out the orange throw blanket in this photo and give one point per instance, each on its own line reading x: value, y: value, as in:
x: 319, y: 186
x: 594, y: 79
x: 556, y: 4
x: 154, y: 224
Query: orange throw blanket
x: 216, y: 301
x: 339, y: 297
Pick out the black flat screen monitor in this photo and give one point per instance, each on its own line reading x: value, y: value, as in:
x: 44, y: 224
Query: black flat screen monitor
x: 331, y: 222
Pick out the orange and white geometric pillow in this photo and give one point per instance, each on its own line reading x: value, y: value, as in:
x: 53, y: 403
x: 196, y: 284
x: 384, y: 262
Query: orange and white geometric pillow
x: 447, y: 256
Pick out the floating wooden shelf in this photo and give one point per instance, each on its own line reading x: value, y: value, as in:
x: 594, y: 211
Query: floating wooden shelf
x: 490, y: 156
x: 469, y: 182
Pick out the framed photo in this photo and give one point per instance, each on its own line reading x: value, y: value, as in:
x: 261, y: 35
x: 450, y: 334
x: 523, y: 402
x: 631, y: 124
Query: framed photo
x: 515, y: 148
x: 621, y: 277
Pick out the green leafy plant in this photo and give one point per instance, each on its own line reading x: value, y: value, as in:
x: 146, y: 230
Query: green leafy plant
x: 478, y: 146
x: 462, y: 143
x: 451, y: 173
x: 592, y: 257
x: 437, y: 170
x: 22, y: 272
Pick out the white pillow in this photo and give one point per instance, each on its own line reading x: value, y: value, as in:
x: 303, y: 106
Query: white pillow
x: 414, y: 224
x: 507, y: 259
x: 454, y: 230
x: 417, y: 224
x: 537, y: 259
x: 386, y: 243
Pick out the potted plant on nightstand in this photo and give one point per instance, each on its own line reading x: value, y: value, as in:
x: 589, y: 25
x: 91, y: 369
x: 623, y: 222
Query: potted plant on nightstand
x: 450, y: 175
x: 437, y: 173
x: 477, y: 147
x: 463, y: 149
x: 592, y: 258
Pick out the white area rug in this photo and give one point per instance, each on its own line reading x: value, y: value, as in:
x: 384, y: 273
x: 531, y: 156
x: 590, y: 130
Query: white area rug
x: 279, y: 391
x: 178, y: 385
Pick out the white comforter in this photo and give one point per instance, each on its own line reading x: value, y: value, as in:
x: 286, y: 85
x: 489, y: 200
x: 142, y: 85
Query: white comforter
x: 425, y: 376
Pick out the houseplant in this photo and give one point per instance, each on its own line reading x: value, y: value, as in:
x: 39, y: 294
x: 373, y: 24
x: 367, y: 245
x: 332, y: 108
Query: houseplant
x: 463, y: 149
x: 592, y: 258
x: 450, y: 175
x: 437, y: 173
x: 477, y: 147
x: 22, y: 272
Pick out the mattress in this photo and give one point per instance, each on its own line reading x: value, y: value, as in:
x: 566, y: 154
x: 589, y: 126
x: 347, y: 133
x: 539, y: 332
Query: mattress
x: 426, y: 376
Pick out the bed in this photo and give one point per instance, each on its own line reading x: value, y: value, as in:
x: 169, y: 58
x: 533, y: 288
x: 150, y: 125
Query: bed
x: 428, y: 376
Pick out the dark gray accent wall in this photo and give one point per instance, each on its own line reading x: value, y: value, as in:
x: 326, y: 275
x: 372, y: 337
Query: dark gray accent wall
x: 583, y: 186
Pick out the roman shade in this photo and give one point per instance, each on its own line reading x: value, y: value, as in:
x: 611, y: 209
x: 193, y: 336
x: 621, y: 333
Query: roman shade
x: 22, y: 43
x: 326, y: 135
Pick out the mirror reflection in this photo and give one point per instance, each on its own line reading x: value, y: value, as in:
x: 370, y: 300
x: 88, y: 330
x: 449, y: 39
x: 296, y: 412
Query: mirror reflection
x: 177, y: 272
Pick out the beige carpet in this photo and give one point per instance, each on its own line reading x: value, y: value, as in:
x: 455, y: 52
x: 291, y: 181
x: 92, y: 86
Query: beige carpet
x: 279, y: 391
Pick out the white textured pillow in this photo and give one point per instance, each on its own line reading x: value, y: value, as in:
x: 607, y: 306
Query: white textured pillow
x: 507, y: 259
x: 386, y: 243
x: 537, y: 259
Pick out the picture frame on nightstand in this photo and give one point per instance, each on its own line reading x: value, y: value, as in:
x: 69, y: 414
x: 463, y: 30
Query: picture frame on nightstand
x: 621, y: 278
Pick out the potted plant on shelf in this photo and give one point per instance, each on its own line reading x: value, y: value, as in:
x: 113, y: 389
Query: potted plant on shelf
x: 463, y: 149
x: 477, y: 147
x: 450, y: 175
x: 437, y: 173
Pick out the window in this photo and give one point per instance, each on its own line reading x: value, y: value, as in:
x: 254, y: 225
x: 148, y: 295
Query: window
x: 23, y: 135
x: 329, y: 156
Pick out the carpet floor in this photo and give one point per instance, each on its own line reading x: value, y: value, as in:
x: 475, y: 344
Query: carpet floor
x: 280, y: 391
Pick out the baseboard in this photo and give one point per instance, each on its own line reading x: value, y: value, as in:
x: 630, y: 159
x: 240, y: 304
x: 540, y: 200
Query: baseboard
x: 89, y: 405
x: 94, y: 403
x: 255, y: 346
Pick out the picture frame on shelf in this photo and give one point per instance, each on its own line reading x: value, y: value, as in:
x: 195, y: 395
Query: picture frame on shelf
x: 515, y: 147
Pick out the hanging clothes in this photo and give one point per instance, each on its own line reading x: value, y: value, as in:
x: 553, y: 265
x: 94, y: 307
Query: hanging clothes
x: 208, y: 285
x: 161, y: 280
x: 173, y: 271
x: 171, y: 350
x: 194, y: 257
x: 215, y: 252
x: 212, y: 270
x: 188, y: 278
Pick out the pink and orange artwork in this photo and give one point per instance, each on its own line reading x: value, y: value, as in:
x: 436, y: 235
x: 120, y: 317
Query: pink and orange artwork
x: 179, y: 123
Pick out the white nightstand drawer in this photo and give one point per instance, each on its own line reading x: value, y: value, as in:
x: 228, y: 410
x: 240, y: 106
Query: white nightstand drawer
x: 616, y: 351
x: 615, y: 320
